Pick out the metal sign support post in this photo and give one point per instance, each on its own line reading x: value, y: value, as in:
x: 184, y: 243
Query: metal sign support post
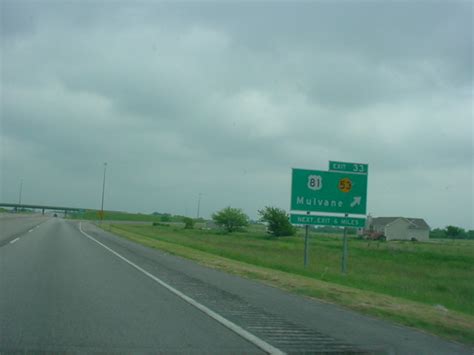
x: 344, y: 251
x: 306, y: 244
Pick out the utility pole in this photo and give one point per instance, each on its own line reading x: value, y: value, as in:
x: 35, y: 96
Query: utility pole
x: 21, y: 189
x: 199, y: 204
x: 103, y: 191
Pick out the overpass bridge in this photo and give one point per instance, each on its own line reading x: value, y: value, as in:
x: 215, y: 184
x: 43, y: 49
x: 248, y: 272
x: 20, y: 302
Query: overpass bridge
x: 42, y: 207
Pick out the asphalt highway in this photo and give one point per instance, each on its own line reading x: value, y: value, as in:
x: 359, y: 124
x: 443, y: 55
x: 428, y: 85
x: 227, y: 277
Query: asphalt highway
x: 14, y: 225
x: 70, y: 287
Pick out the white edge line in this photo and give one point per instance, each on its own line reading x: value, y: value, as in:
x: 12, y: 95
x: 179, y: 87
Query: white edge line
x: 14, y: 240
x: 225, y: 322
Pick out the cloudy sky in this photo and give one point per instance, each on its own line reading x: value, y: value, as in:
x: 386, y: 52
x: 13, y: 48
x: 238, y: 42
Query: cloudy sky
x: 224, y: 98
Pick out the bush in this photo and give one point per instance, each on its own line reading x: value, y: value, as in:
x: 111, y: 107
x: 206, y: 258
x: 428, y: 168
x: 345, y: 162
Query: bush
x: 231, y: 219
x: 156, y: 224
x: 278, y: 221
x: 188, y: 223
x: 376, y: 236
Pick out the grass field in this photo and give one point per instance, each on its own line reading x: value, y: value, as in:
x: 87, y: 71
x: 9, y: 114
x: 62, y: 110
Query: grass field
x: 428, y: 285
x: 92, y: 215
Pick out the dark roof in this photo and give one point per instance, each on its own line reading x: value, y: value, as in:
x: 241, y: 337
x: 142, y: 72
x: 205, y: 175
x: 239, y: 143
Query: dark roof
x: 383, y: 221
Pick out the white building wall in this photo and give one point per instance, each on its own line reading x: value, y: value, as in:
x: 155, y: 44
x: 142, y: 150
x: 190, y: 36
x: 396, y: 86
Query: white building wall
x: 397, y: 230
x: 422, y: 235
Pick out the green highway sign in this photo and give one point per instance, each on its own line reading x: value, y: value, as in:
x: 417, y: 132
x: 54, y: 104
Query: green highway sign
x: 355, y: 168
x: 327, y: 220
x: 328, y: 191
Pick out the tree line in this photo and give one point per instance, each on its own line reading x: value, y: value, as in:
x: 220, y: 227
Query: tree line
x: 452, y: 232
x: 278, y: 223
x: 276, y: 219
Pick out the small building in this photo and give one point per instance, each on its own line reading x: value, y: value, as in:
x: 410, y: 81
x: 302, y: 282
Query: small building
x: 398, y: 228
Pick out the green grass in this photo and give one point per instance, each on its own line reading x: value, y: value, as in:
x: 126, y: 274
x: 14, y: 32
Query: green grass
x: 431, y: 273
x: 403, y: 281
x: 21, y: 211
x: 92, y: 215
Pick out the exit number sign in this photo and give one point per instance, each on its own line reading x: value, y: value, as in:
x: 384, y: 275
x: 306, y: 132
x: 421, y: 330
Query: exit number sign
x: 354, y: 168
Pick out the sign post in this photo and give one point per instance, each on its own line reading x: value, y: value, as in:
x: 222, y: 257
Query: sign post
x: 344, y: 252
x: 341, y: 190
x: 306, y: 244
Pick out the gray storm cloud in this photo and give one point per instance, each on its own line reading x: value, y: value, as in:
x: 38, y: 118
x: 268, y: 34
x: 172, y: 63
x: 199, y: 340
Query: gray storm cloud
x: 224, y: 99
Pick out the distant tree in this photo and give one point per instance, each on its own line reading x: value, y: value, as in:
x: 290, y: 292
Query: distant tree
x: 438, y: 233
x: 454, y: 232
x: 188, y: 223
x: 278, y: 222
x: 166, y: 217
x: 231, y: 219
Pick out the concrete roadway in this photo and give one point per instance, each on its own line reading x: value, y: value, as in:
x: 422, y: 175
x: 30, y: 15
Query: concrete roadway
x: 65, y: 291
x: 13, y: 225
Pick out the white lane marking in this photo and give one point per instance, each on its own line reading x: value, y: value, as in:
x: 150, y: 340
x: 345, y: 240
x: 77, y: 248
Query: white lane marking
x: 262, y: 344
x: 14, y: 240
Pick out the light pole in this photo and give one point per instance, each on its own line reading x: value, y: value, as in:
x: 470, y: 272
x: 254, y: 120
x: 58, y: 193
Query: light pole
x: 199, y: 204
x: 103, y: 191
x: 21, y: 189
